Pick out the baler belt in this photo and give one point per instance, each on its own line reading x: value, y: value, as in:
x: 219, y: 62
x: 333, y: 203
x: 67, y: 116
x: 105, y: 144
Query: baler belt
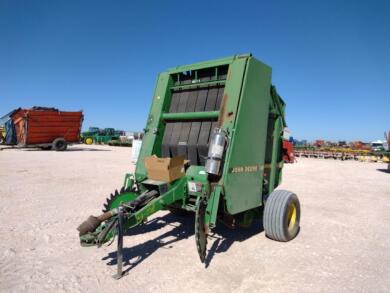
x: 173, y: 144
x: 205, y: 129
x: 186, y: 126
x: 169, y: 127
x: 195, y: 128
x: 191, y: 139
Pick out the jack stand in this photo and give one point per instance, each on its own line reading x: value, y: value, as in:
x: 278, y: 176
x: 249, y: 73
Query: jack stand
x: 119, y: 253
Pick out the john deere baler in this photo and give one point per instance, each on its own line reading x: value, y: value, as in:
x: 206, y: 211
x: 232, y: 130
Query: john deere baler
x: 226, y: 120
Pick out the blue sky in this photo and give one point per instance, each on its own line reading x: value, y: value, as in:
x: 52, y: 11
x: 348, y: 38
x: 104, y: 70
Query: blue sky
x: 330, y: 59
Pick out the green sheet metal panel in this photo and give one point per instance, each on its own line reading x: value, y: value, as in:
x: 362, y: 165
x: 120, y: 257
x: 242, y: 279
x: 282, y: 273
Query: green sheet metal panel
x: 244, y: 162
x: 231, y: 95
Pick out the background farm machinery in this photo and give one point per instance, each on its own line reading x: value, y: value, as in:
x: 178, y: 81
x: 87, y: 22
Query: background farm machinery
x: 41, y: 127
x: 342, y: 151
x: 101, y: 136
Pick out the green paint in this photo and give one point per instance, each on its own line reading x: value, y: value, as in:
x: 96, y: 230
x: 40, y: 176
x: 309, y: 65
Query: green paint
x: 212, y: 207
x: 243, y: 190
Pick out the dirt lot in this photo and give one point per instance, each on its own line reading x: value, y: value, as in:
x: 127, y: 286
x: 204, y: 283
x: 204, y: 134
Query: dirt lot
x: 344, y: 243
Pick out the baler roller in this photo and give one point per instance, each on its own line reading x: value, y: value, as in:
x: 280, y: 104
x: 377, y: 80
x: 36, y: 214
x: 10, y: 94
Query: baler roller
x: 209, y: 115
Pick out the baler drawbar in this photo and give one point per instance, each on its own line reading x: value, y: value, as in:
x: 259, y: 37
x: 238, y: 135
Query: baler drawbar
x: 226, y: 120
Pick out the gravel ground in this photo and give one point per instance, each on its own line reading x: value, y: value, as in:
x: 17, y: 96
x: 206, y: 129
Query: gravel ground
x: 343, y: 245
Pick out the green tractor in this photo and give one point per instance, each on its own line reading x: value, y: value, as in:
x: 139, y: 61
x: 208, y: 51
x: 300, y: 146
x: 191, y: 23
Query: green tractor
x: 100, y: 136
x: 88, y: 136
x: 226, y: 120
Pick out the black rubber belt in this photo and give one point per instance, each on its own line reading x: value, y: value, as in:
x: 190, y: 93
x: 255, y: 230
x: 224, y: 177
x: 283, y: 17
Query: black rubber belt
x: 195, y: 128
x: 173, y: 144
x: 169, y: 127
x: 205, y: 129
x: 186, y: 126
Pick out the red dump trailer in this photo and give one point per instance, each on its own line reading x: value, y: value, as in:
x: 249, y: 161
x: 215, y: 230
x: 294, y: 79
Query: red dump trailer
x: 47, y: 128
x: 288, y: 152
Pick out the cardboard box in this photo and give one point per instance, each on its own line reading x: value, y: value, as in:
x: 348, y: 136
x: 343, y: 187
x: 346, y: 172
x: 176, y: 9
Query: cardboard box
x: 164, y: 169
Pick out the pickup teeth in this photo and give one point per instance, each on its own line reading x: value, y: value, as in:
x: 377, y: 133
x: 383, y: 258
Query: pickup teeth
x: 113, y: 196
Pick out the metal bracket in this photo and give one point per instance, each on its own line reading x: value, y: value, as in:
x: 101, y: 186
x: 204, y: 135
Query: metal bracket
x: 129, y: 181
x: 212, y: 206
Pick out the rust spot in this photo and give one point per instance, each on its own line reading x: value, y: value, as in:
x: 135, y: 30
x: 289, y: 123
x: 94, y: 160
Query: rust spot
x: 222, y: 111
x: 229, y: 116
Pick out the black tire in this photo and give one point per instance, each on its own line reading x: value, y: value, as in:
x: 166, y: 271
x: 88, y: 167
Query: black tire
x: 282, y: 214
x: 60, y: 144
